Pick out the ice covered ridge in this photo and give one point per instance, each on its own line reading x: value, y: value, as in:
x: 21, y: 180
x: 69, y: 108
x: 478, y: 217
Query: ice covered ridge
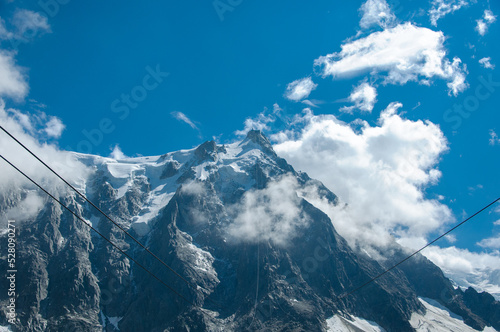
x: 166, y: 173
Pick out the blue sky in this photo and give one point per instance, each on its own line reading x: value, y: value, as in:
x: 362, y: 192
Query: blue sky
x: 228, y: 65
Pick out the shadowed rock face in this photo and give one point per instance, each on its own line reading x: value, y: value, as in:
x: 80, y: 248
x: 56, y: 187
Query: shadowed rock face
x: 484, y: 306
x: 186, y: 205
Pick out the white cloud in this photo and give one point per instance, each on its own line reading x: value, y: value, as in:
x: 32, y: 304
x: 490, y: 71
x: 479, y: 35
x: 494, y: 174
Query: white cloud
x: 484, y: 23
x: 271, y: 214
x: 54, y: 127
x: 486, y: 63
x: 183, y: 117
x: 194, y: 188
x: 364, y: 97
x: 29, y: 24
x: 441, y: 8
x: 380, y: 172
x: 117, y: 153
x: 404, y: 53
x: 262, y: 121
x: 490, y: 243
x: 376, y: 13
x: 497, y: 223
x: 4, y: 33
x: 489, y: 17
x: 23, y: 119
x: 62, y: 161
x: 12, y: 80
x: 26, y: 209
x: 300, y: 89
x: 478, y: 270
x: 494, y: 138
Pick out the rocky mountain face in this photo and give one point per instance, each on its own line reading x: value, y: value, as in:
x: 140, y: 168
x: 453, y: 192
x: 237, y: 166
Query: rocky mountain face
x: 251, y: 253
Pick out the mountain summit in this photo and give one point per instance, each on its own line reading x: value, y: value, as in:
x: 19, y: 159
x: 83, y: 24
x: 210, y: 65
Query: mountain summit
x: 250, y: 250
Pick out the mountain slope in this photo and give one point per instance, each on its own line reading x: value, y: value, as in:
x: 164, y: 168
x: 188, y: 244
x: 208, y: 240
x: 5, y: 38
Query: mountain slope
x: 234, y: 222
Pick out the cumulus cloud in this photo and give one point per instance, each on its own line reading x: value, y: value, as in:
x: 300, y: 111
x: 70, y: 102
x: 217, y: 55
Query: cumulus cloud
x: 29, y: 24
x: 376, y: 13
x: 183, y: 117
x: 486, y: 63
x: 379, y: 171
x: 468, y: 269
x: 271, y: 214
x: 400, y: 54
x: 364, y: 97
x: 441, y: 8
x: 12, y: 79
x: 484, y: 23
x: 300, y: 89
x: 54, y: 127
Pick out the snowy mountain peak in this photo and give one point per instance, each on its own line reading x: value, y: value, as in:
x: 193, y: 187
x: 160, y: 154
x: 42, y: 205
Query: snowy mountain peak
x: 259, y: 141
x: 208, y: 151
x: 241, y: 224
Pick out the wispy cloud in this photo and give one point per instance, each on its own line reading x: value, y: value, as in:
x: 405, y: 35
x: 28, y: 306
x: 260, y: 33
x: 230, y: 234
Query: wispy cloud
x: 4, y: 33
x: 441, y: 8
x: 388, y: 54
x: 300, y: 89
x: 183, y: 118
x: 494, y: 140
x: 262, y: 122
x: 29, y: 24
x: 486, y: 63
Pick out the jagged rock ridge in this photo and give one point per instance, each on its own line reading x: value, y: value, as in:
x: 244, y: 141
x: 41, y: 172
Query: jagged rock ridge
x: 228, y: 218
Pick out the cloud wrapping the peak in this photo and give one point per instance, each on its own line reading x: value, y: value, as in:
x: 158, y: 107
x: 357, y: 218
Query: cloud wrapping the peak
x: 379, y: 171
x: 29, y: 130
x: 399, y: 55
x: 117, y: 153
x: 376, y: 13
x: 300, y: 89
x: 263, y: 120
x: 468, y: 269
x: 271, y: 214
